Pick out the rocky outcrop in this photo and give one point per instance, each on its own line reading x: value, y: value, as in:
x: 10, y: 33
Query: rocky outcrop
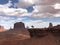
x: 2, y: 29
x: 19, y: 25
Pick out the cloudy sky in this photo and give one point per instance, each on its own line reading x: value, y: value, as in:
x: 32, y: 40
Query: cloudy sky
x: 32, y: 12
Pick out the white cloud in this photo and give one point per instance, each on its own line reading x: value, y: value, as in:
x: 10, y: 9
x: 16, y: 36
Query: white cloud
x: 41, y: 11
x: 57, y: 6
x: 5, y: 10
x: 39, y: 23
x: 57, y: 14
x: 42, y: 8
x: 56, y: 23
x: 26, y: 3
x: 16, y: 12
x: 23, y: 3
x: 8, y: 22
x: 11, y: 11
x: 36, y: 23
x: 29, y: 1
x: 9, y: 3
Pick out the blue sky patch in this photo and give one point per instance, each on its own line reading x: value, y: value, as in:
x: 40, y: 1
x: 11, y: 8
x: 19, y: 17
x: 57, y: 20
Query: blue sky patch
x: 14, y: 1
x: 3, y: 1
x: 30, y: 9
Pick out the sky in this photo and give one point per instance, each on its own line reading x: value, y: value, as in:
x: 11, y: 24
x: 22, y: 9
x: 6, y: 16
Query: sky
x: 31, y: 12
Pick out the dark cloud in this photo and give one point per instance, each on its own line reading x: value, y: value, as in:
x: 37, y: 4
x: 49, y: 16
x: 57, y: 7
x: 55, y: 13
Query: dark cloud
x: 50, y: 9
x: 58, y: 1
x: 47, y: 2
x: 46, y: 9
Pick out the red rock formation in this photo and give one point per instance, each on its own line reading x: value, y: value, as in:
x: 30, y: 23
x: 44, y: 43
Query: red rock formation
x: 19, y: 25
x: 2, y: 29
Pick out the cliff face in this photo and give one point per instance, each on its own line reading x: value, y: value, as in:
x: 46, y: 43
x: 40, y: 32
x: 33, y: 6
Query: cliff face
x: 19, y: 25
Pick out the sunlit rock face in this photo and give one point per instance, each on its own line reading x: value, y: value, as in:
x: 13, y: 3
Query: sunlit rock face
x: 2, y: 29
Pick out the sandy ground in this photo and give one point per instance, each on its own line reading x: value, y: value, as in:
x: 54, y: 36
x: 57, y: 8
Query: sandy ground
x: 46, y: 40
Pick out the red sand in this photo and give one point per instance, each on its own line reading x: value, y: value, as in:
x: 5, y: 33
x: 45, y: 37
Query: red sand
x: 47, y: 40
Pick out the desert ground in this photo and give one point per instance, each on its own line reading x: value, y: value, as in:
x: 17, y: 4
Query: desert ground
x: 22, y: 40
